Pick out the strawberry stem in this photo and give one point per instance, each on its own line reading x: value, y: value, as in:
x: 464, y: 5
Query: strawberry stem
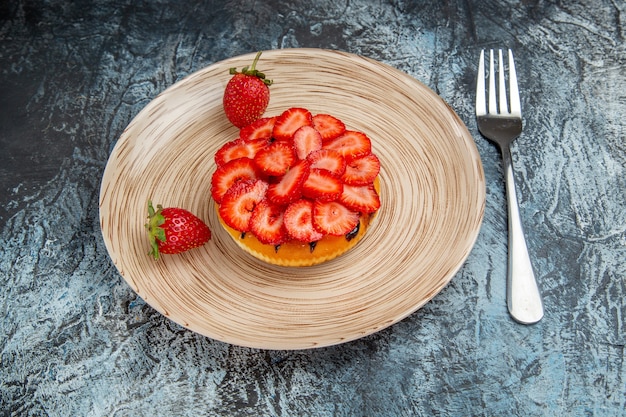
x: 256, y: 59
x: 155, y: 231
x: 252, y: 71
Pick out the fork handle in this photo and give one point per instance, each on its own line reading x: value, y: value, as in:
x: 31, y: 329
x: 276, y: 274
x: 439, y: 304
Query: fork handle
x: 523, y: 297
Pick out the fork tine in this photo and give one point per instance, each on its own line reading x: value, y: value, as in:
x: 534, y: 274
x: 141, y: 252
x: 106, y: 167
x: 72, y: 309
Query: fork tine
x: 493, y: 109
x: 516, y: 109
x: 504, y: 108
x: 481, y: 105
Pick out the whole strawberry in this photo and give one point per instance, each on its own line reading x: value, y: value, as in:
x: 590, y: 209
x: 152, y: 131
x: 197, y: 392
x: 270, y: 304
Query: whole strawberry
x: 246, y: 95
x: 174, y: 230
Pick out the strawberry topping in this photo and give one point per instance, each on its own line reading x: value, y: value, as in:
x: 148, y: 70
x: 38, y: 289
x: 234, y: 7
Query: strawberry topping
x: 333, y: 218
x: 361, y: 171
x: 238, y: 148
x: 329, y: 160
x: 261, y: 129
x: 296, y: 177
x: 351, y: 145
x: 289, y: 121
x: 321, y: 185
x: 231, y: 173
x: 360, y: 198
x: 275, y: 159
x: 299, y: 222
x: 289, y: 187
x: 240, y: 201
x: 306, y: 140
x: 329, y: 126
x: 267, y: 223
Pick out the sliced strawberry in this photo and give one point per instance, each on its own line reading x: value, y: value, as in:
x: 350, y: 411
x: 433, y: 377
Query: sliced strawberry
x: 306, y: 140
x: 333, y: 218
x: 229, y: 174
x: 360, y: 198
x: 275, y: 159
x: 267, y: 224
x: 238, y: 148
x: 329, y: 126
x: 239, y: 203
x: 299, y: 221
x: 261, y: 129
x: 322, y: 185
x: 351, y: 145
x: 328, y: 159
x: 361, y: 171
x: 289, y: 187
x: 289, y: 121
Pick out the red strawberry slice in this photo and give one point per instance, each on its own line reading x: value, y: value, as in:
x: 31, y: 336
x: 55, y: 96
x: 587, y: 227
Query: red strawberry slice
x: 329, y: 126
x: 289, y: 187
x: 306, y: 140
x: 322, y: 185
x: 333, y: 218
x: 329, y: 160
x: 299, y: 221
x: 267, y: 223
x: 239, y: 202
x: 361, y: 171
x: 351, y: 145
x: 231, y: 173
x: 289, y: 121
x: 360, y: 198
x: 261, y: 129
x: 275, y: 159
x: 238, y: 148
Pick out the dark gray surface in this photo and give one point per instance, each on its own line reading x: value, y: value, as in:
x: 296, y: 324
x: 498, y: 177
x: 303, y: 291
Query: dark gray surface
x: 75, y: 340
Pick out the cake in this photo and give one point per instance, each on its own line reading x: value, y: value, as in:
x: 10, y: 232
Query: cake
x: 296, y: 189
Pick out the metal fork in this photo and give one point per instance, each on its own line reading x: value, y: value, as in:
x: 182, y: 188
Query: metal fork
x: 502, y: 126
